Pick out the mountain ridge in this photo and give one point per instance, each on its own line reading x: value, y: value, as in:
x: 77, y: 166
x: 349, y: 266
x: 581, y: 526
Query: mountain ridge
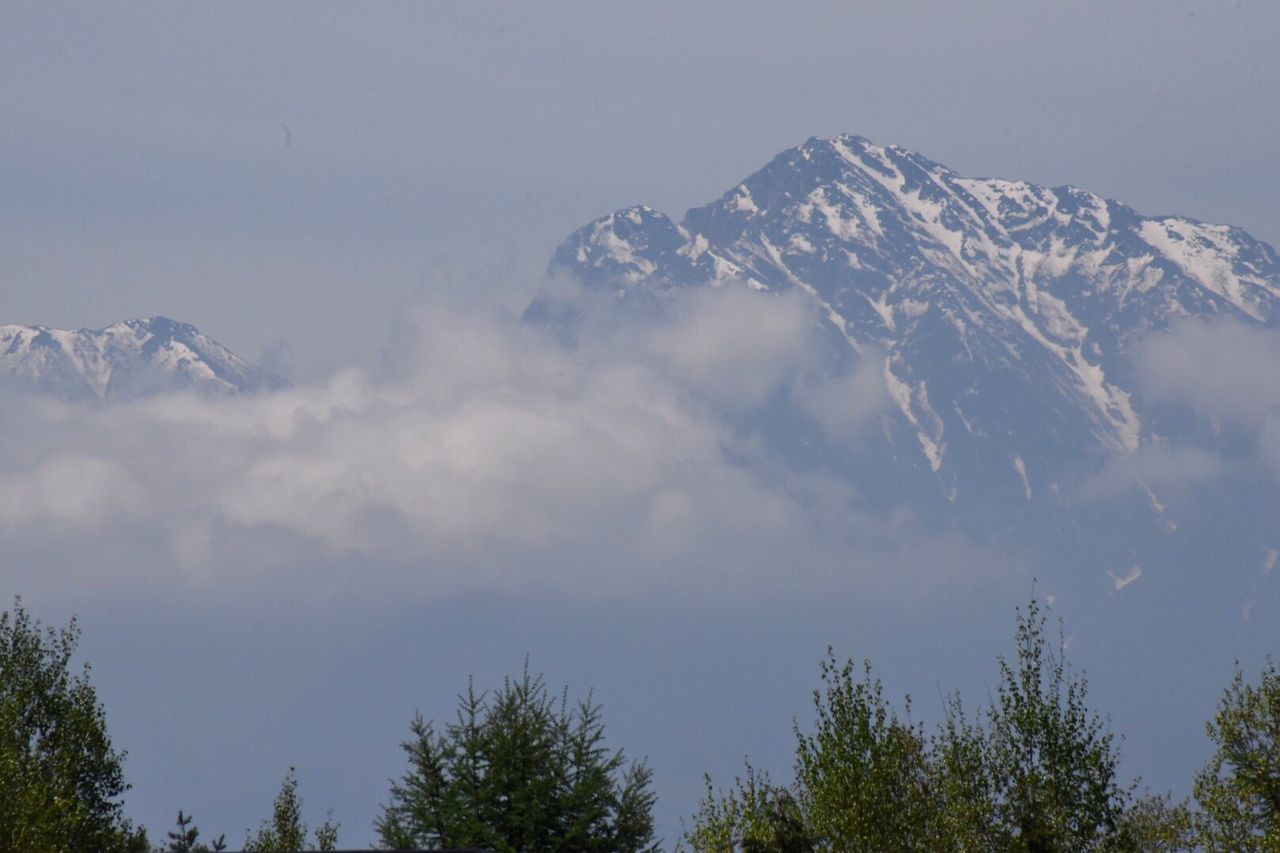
x: 1030, y: 298
x: 125, y: 360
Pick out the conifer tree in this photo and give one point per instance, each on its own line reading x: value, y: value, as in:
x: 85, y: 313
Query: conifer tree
x: 186, y: 838
x: 518, y: 770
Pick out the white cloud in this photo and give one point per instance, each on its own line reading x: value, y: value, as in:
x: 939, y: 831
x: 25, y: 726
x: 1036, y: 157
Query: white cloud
x: 736, y: 345
x: 497, y: 459
x: 846, y: 405
x: 71, y: 488
x: 1225, y: 371
x: 1221, y: 368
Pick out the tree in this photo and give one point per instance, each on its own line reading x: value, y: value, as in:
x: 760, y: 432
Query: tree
x: 1035, y: 772
x: 186, y: 838
x: 1041, y: 775
x: 1239, y: 789
x: 754, y: 815
x: 863, y: 781
x: 863, y: 776
x: 518, y: 770
x: 1156, y: 824
x: 284, y: 831
x: 61, y: 782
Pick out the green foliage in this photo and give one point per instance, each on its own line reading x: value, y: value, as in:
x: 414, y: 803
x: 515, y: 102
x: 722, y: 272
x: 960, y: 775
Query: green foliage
x: 1043, y: 768
x: 965, y: 790
x: 863, y: 782
x: 754, y: 815
x: 1035, y: 772
x: 518, y: 770
x: 863, y: 777
x: 1155, y: 824
x: 60, y: 780
x: 284, y: 831
x: 186, y: 838
x: 1239, y: 789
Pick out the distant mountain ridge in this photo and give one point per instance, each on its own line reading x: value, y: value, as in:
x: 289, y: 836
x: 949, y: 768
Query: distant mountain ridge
x: 125, y: 360
x: 1005, y: 311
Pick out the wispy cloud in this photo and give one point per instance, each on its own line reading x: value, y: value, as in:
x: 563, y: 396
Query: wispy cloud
x: 1219, y: 368
x: 1157, y: 468
x: 1226, y: 374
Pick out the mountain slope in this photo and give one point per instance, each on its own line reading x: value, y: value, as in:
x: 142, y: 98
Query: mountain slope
x: 124, y: 361
x: 1005, y: 311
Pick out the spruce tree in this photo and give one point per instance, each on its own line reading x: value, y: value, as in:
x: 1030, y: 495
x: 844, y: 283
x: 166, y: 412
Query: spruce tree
x: 518, y: 770
x: 186, y: 838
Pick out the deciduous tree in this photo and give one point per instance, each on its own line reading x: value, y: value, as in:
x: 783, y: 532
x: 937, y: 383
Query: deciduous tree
x: 1035, y: 771
x: 1040, y: 773
x: 285, y: 831
x: 61, y: 782
x: 1239, y: 789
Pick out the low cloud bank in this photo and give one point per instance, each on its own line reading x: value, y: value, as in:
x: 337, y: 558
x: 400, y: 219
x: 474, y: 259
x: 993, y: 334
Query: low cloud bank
x: 494, y: 458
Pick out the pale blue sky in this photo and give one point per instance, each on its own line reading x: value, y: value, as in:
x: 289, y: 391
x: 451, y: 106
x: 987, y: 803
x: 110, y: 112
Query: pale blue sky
x: 442, y: 150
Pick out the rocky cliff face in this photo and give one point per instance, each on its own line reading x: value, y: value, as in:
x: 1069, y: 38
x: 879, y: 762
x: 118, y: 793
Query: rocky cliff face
x: 1004, y: 312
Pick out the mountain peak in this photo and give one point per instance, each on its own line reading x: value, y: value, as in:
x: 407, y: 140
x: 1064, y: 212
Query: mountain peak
x: 125, y: 360
x: 980, y: 292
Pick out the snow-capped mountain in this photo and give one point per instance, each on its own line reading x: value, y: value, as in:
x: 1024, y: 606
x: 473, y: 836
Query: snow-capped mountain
x: 124, y: 361
x: 1004, y: 311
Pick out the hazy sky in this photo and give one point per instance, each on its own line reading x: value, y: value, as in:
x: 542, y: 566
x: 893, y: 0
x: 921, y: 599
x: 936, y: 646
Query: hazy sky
x: 284, y: 580
x: 289, y: 175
